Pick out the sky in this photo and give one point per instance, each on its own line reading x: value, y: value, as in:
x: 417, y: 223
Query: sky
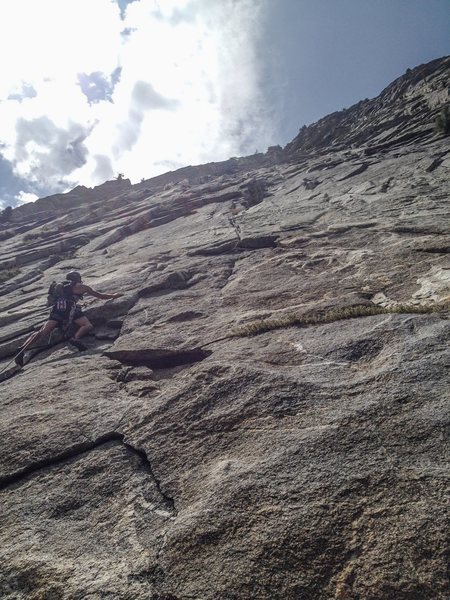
x: 90, y: 89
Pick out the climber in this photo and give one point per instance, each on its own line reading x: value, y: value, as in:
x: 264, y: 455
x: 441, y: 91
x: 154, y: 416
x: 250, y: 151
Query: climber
x: 63, y: 299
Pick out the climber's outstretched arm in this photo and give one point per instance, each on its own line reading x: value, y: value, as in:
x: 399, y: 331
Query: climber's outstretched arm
x: 82, y: 289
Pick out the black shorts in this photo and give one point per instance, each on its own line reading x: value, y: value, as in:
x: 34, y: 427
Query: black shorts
x: 63, y: 315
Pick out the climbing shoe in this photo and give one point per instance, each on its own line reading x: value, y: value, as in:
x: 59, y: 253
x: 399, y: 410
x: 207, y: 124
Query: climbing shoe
x: 77, y: 344
x: 18, y: 359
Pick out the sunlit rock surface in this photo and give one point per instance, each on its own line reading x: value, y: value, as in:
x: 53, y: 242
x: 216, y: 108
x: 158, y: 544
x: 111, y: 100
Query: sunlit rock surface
x: 174, y: 461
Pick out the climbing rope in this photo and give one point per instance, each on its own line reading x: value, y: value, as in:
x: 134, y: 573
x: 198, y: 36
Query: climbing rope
x: 64, y: 327
x: 23, y: 348
x: 11, y: 361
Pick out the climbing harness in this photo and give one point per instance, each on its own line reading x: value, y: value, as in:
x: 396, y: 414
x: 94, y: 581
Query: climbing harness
x: 71, y: 315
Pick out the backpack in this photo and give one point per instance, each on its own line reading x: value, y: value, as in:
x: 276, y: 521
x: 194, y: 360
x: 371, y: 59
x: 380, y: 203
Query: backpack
x: 60, y: 295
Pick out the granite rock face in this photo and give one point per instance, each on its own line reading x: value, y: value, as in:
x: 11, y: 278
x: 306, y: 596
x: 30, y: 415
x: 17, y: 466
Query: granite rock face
x: 180, y: 458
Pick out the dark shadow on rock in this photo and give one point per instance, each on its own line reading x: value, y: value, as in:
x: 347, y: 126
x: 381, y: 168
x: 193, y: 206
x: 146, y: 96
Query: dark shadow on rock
x: 159, y: 358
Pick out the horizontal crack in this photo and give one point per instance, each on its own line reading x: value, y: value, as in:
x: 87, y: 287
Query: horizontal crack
x: 434, y: 250
x: 158, y: 358
x: 80, y: 449
x: 77, y: 450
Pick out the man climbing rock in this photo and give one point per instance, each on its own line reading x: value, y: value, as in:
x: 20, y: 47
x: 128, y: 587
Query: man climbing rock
x: 63, y: 299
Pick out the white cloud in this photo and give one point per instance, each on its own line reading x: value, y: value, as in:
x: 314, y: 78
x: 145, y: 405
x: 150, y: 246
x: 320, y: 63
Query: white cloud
x: 49, y: 38
x: 24, y: 198
x: 182, y: 87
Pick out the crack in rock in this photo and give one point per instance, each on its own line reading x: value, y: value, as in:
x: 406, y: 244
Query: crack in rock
x: 360, y: 169
x: 177, y: 280
x: 434, y: 249
x: 258, y: 242
x: 158, y: 358
x: 168, y: 500
x: 22, y: 474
